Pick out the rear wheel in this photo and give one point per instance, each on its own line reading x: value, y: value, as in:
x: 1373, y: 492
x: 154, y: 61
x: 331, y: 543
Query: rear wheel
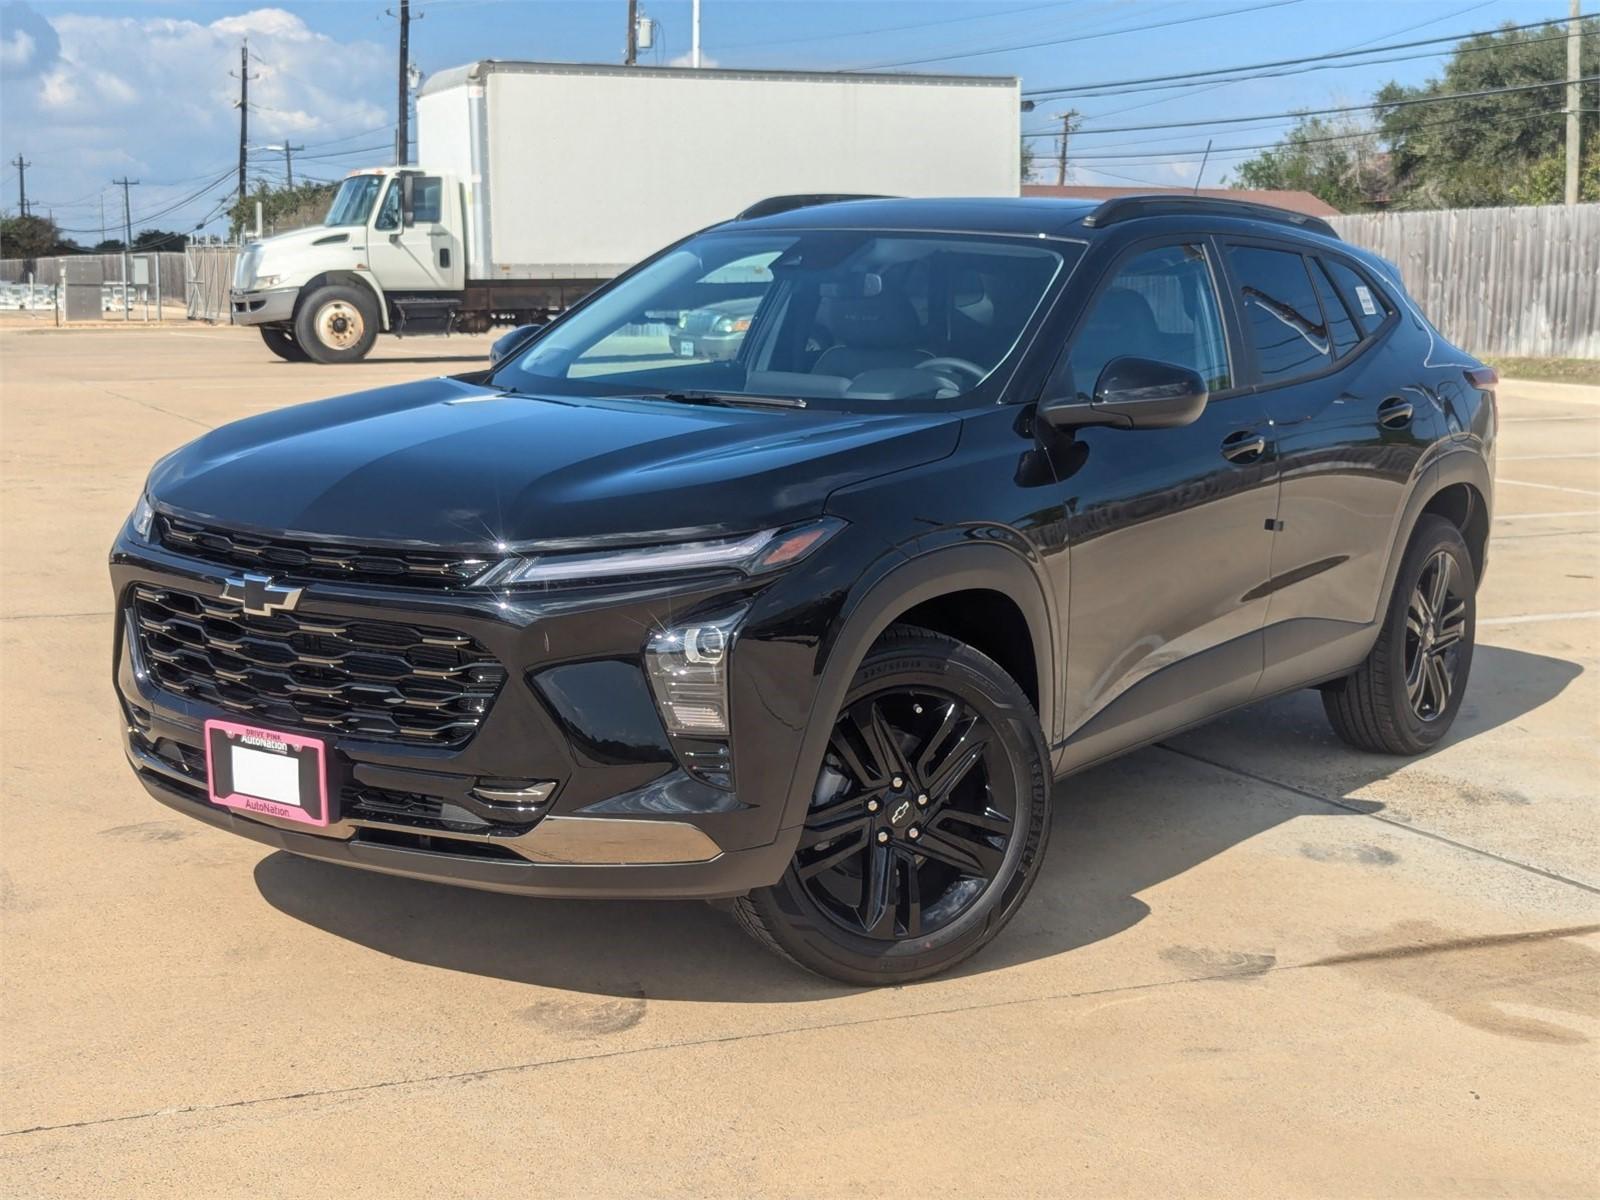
x: 337, y: 324
x: 927, y: 823
x: 1404, y: 697
x: 281, y: 342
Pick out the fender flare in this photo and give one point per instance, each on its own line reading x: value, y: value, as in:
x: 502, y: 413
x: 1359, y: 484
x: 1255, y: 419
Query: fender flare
x: 1455, y: 465
x: 866, y: 614
x: 362, y: 279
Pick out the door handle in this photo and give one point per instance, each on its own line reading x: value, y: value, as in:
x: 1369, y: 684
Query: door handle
x: 1243, y: 446
x: 1394, y: 413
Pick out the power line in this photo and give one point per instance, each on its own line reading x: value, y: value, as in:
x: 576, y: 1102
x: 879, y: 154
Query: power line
x: 1322, y: 112
x: 1122, y: 85
x: 854, y: 33
x: 1082, y: 37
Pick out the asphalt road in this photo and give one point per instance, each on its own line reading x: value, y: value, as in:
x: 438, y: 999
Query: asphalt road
x: 1257, y: 963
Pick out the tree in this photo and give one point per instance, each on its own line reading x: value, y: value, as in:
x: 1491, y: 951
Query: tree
x: 28, y: 237
x: 282, y: 209
x: 1483, y: 151
x: 1027, y: 161
x: 1339, y: 162
x: 157, y: 239
x: 109, y: 246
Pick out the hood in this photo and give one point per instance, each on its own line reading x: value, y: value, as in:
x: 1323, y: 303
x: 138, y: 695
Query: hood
x: 452, y: 464
x: 276, y: 254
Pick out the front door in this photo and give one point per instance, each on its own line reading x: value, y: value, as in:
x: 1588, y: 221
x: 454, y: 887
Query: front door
x: 1170, y: 530
x: 424, y: 256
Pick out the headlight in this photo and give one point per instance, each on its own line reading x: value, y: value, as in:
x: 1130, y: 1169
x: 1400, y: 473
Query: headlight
x: 752, y: 554
x: 266, y: 281
x: 689, y: 674
x: 731, y: 324
x: 143, y: 518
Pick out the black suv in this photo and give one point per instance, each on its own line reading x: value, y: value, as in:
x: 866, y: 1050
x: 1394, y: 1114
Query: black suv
x: 991, y: 490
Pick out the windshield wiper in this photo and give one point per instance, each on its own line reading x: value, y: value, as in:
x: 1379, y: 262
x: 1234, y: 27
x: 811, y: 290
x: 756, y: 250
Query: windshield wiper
x: 730, y: 398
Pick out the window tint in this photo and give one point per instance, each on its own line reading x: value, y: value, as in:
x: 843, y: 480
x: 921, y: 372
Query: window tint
x: 1341, y: 327
x: 1281, y: 312
x: 1370, y: 306
x: 426, y: 199
x: 1161, y: 305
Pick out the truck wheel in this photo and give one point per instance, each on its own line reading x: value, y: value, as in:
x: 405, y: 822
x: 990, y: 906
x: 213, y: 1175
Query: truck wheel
x: 281, y: 342
x: 1404, y: 697
x: 927, y: 824
x: 336, y: 324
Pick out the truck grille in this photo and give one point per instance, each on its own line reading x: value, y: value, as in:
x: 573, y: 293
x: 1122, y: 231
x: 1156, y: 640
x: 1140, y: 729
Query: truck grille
x: 317, y: 560
x: 370, y: 679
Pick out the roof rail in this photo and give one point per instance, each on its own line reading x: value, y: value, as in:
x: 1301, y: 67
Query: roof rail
x: 773, y: 205
x: 1125, y: 208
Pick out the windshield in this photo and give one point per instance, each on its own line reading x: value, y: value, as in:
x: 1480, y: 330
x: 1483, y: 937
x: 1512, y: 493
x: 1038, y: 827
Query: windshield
x: 849, y: 317
x: 353, y: 201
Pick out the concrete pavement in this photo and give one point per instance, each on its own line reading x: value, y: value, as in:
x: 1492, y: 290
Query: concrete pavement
x: 1256, y: 963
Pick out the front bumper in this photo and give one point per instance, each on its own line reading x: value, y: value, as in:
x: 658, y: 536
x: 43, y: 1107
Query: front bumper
x: 627, y: 817
x: 274, y: 307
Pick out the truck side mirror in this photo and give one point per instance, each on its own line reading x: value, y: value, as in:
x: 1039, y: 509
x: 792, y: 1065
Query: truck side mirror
x: 408, y: 215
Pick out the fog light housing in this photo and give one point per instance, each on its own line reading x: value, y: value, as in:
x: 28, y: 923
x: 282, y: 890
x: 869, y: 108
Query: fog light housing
x: 688, y: 669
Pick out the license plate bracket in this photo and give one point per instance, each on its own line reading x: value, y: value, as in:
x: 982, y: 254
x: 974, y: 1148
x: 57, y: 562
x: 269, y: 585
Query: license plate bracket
x: 268, y: 772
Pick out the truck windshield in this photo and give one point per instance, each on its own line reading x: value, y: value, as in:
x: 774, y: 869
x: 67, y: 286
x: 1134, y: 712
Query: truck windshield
x: 353, y: 201
x: 837, y: 318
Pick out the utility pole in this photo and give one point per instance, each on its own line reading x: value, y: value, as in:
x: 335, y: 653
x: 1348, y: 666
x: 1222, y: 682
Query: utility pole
x: 127, y: 237
x: 631, y: 55
x: 402, y: 137
x: 1067, y: 118
x: 694, y: 39
x: 102, y: 216
x: 22, y: 184
x: 288, y: 161
x: 1574, y: 102
x: 244, y: 112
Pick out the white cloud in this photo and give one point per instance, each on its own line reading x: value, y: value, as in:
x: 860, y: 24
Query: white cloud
x: 684, y: 60
x: 156, y: 97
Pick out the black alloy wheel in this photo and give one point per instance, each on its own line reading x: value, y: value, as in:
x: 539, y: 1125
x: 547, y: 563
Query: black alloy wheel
x: 911, y: 816
x: 927, y: 822
x: 1436, y: 622
x: 1404, y: 696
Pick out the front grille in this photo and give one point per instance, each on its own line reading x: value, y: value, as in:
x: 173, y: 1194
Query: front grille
x: 370, y: 679
x: 317, y: 560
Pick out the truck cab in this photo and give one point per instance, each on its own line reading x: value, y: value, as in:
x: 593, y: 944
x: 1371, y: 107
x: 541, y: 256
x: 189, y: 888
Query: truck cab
x: 389, y: 255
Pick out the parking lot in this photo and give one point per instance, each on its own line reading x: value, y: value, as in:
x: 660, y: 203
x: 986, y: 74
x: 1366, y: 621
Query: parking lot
x: 1256, y: 962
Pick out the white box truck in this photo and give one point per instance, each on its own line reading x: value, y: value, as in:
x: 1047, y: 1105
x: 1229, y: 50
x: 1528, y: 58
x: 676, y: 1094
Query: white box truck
x: 539, y: 181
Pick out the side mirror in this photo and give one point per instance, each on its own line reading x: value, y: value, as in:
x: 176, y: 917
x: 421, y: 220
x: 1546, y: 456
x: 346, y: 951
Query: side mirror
x: 508, y: 344
x: 408, y: 215
x: 1133, y: 393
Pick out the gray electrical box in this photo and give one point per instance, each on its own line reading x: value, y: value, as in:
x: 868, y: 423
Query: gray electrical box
x: 80, y: 288
x: 141, y: 271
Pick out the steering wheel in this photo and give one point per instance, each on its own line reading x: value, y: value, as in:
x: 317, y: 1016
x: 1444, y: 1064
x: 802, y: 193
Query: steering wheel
x: 958, y: 364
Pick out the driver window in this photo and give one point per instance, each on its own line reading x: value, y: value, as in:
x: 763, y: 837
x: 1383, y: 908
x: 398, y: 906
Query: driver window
x: 1161, y: 305
x: 389, y: 214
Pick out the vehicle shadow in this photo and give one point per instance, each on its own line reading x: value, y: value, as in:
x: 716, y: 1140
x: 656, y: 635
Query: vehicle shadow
x: 1120, y: 829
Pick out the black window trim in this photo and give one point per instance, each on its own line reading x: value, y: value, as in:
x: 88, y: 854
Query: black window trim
x: 1305, y: 251
x: 1232, y: 334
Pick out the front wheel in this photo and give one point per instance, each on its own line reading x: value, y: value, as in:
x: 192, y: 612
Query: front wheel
x: 927, y: 823
x: 1404, y: 697
x: 337, y: 324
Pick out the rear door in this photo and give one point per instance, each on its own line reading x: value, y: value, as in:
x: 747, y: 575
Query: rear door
x: 1349, y: 434
x: 1169, y: 529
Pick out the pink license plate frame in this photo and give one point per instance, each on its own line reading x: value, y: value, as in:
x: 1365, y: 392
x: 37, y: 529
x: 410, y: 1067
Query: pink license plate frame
x: 309, y: 754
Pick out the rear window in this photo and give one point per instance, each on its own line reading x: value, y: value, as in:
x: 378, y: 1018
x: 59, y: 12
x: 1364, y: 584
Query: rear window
x: 1281, y: 312
x: 1341, y: 325
x: 1369, y: 305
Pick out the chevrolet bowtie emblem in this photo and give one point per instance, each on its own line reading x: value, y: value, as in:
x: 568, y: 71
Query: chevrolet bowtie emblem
x: 260, y: 596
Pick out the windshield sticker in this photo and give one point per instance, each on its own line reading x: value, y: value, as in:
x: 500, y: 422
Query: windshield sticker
x: 1364, y: 294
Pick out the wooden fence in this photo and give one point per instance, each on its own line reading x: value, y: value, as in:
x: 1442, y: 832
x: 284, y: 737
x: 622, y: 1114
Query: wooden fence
x: 1518, y: 282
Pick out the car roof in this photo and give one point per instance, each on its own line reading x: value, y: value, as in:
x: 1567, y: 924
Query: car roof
x: 1031, y: 216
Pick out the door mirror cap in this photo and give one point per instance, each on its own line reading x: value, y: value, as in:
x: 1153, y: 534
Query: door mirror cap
x: 408, y: 215
x: 508, y: 344
x: 1133, y: 393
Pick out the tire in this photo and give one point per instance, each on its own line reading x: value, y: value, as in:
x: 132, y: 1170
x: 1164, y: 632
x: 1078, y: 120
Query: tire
x: 281, y: 342
x: 337, y: 324
x: 962, y: 740
x: 1392, y: 703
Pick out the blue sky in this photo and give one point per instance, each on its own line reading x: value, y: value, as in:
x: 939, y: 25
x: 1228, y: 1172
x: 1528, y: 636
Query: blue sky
x: 96, y: 89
